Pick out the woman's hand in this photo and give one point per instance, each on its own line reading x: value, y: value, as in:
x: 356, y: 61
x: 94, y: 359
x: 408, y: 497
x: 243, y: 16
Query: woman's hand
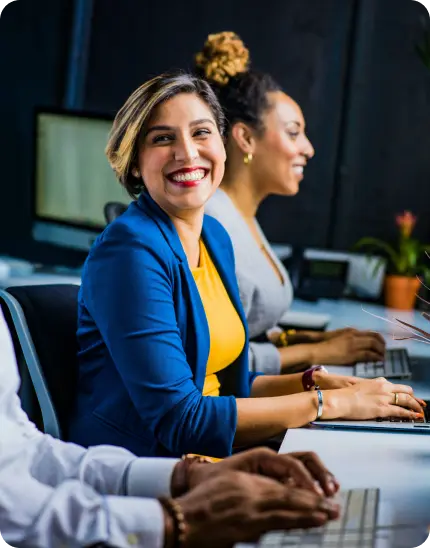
x: 371, y: 399
x: 238, y: 507
x: 349, y: 347
x: 304, y: 470
x: 330, y: 381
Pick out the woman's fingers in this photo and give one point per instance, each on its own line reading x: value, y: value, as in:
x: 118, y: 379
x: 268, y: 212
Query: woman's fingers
x: 374, y: 335
x: 401, y: 413
x: 400, y: 388
x: 405, y: 400
x: 368, y: 356
x: 372, y: 344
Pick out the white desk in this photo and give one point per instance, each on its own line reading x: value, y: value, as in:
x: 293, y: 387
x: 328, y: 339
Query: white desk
x: 397, y: 463
x: 41, y: 279
x: 350, y: 314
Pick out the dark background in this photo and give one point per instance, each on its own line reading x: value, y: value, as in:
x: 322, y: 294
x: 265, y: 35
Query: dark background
x: 351, y: 64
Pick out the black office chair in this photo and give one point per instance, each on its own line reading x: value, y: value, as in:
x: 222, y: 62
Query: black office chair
x: 43, y: 320
x: 112, y: 210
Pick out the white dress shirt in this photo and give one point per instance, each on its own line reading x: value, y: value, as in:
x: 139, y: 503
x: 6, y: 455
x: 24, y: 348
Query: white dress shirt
x: 55, y: 494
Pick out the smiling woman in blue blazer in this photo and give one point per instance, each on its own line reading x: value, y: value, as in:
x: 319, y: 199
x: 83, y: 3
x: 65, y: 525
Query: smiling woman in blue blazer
x: 161, y: 327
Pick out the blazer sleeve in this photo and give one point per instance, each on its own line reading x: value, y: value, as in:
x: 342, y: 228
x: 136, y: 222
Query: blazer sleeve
x: 129, y: 293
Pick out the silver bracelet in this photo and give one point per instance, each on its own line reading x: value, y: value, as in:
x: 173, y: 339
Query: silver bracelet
x: 320, y: 404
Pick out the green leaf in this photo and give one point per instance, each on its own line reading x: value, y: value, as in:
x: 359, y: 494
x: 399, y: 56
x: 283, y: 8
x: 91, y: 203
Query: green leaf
x: 378, y: 265
x: 387, y: 249
x: 410, y: 251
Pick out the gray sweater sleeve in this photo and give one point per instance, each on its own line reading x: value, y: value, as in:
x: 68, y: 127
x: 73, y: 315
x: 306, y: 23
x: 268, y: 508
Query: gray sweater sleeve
x: 264, y: 298
x: 264, y: 358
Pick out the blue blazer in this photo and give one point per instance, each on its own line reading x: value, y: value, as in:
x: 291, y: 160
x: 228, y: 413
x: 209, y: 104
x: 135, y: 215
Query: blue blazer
x: 144, y: 342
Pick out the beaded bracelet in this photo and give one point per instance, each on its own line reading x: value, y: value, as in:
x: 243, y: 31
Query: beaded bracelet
x: 175, y: 511
x: 283, y: 337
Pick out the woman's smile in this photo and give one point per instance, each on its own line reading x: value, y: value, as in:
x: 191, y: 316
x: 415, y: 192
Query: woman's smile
x: 188, y: 176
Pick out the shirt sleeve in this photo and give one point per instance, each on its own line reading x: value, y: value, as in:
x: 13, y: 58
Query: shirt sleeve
x: 129, y: 291
x: 56, y: 494
x: 150, y: 477
x: 264, y: 358
x: 73, y: 514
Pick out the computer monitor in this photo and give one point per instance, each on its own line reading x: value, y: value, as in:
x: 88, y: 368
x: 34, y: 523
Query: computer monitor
x: 72, y: 178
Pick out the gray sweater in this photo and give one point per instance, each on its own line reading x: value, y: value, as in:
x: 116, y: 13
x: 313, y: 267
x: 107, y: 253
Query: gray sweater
x: 264, y: 298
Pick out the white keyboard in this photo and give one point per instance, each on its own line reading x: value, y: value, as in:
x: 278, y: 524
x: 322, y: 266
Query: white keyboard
x: 356, y: 527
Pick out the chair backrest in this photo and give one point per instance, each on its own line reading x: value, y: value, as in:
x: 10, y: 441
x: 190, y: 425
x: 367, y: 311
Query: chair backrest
x: 112, y: 210
x: 45, y: 320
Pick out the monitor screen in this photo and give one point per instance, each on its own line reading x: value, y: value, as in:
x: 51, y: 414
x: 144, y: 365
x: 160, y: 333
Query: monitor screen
x: 73, y: 179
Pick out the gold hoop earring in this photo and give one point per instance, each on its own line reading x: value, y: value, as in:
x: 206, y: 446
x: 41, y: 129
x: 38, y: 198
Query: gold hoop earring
x: 247, y: 159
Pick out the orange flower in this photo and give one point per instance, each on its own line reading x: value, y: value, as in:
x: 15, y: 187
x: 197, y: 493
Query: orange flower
x: 406, y: 223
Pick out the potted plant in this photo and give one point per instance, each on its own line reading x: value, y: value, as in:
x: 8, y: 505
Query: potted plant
x: 405, y: 263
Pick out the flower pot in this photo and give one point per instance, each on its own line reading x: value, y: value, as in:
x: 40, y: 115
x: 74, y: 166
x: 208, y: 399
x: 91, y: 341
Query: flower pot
x: 400, y: 292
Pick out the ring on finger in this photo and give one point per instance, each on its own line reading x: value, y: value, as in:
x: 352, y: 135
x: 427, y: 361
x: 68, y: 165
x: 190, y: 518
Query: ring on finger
x: 396, y: 398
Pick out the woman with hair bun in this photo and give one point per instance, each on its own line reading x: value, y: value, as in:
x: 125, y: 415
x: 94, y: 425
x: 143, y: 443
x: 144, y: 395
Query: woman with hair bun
x: 267, y: 152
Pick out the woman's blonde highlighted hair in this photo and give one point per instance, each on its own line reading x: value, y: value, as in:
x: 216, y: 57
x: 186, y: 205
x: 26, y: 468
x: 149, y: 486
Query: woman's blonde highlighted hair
x: 134, y: 115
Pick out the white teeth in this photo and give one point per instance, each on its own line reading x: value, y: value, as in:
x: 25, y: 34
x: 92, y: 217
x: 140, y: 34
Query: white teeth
x: 196, y: 175
x: 298, y: 170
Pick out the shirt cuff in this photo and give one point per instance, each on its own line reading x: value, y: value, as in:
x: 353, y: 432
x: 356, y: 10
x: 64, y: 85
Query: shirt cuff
x: 150, y: 477
x: 135, y: 522
x: 265, y: 358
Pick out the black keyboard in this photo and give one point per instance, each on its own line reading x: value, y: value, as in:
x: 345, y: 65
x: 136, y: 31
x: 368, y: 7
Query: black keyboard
x: 425, y: 420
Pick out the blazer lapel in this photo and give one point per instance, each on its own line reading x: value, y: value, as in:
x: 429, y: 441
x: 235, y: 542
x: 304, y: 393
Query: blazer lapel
x: 198, y: 351
x: 164, y: 223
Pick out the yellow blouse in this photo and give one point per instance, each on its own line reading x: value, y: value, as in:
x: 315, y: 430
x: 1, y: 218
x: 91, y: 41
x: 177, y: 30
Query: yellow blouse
x: 227, y: 334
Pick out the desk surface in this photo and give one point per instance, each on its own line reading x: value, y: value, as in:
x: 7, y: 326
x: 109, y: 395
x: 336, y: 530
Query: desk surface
x: 346, y: 313
x: 398, y: 463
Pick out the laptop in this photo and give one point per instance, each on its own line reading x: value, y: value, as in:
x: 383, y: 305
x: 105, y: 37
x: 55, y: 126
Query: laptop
x: 388, y: 424
x: 396, y: 365
x: 364, y: 522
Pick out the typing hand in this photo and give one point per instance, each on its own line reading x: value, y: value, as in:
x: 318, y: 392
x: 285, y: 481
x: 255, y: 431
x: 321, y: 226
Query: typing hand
x: 331, y: 381
x: 349, y: 347
x: 303, y: 470
x: 376, y: 398
x: 239, y: 507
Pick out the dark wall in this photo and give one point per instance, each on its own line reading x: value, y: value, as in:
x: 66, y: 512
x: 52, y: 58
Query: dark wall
x: 34, y: 39
x: 385, y: 163
x: 303, y: 43
x: 366, y: 106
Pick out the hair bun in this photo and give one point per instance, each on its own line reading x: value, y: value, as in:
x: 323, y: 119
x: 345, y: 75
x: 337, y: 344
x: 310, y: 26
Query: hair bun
x: 223, y: 56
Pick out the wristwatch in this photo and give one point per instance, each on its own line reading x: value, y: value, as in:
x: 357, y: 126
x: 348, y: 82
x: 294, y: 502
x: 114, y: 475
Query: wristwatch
x: 307, y: 378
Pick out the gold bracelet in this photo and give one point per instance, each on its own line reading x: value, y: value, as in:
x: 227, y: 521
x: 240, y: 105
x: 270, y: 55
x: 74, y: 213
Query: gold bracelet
x: 180, y: 483
x: 175, y: 510
x: 283, y: 337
